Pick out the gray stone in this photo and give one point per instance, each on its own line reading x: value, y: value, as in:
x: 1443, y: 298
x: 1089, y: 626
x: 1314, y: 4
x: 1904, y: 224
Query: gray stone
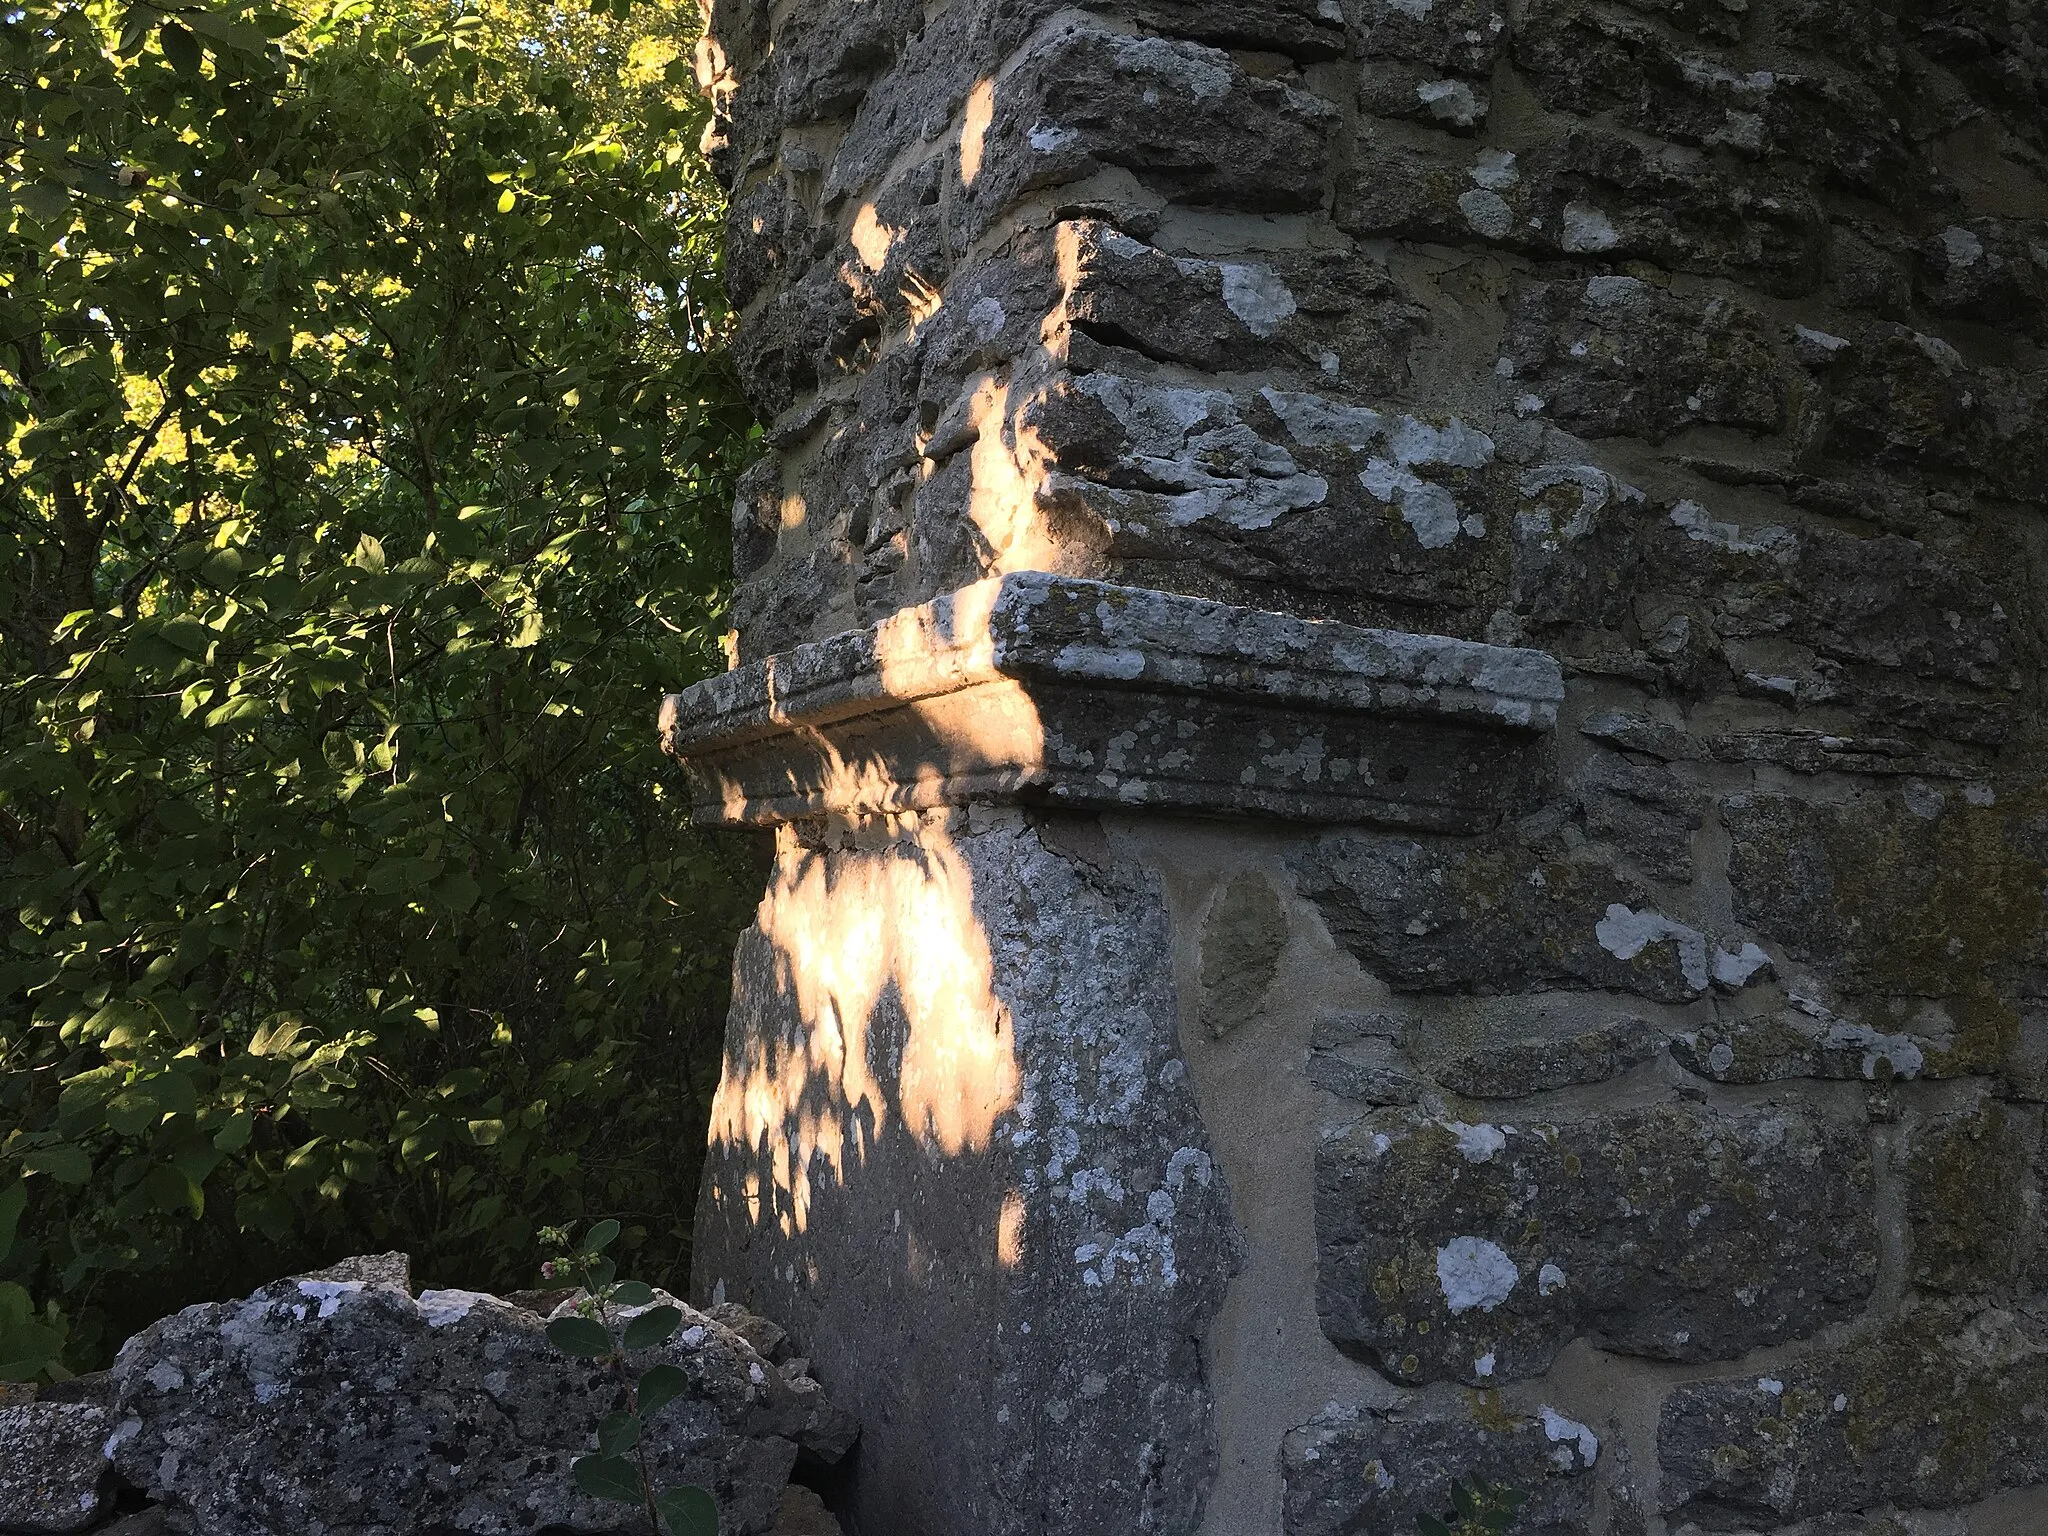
x: 1973, y: 1203
x: 1037, y: 687
x: 1474, y: 1253
x: 347, y: 1406
x: 52, y: 1474
x: 1614, y: 355
x: 1498, y: 914
x: 956, y: 1151
x: 1352, y: 1470
x: 1537, y: 1063
x: 1945, y: 1406
x: 1241, y: 944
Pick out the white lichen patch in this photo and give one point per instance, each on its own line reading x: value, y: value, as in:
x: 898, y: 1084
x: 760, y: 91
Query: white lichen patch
x: 1477, y: 1143
x: 1473, y: 1272
x: 1625, y: 934
x: 1487, y: 212
x: 1256, y: 296
x: 330, y: 1294
x: 1550, y: 1280
x: 440, y: 1308
x: 1734, y: 968
x: 1570, y: 1433
x: 1587, y: 228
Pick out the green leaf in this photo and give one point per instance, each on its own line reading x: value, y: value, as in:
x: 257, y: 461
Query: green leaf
x: 659, y: 1386
x: 601, y: 1236
x: 180, y: 47
x: 632, y: 1293
x: 13, y: 1202
x: 608, y: 1477
x: 1464, y: 1500
x: 583, y: 1337
x: 43, y: 200
x: 652, y: 1327
x: 618, y: 1433
x: 689, y: 1511
x: 1429, y: 1525
x: 67, y: 1165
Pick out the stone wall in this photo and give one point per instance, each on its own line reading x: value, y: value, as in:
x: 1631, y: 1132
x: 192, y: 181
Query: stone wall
x: 1196, y: 1070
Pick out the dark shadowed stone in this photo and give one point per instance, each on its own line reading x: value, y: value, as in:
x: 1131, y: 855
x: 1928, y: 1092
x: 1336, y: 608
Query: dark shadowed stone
x: 1942, y: 1407
x: 1614, y: 355
x: 1476, y: 1252
x: 1497, y: 914
x: 345, y: 1407
x: 52, y: 1472
x: 1355, y: 1470
x: 1972, y: 1202
x: 1540, y: 1062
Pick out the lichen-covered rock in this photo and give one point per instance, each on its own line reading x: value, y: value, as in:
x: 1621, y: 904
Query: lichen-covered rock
x: 52, y: 1473
x: 1943, y: 1407
x: 1538, y: 1063
x: 1499, y: 914
x: 1356, y: 1470
x: 323, y: 1406
x: 1972, y: 1200
x: 1475, y: 1253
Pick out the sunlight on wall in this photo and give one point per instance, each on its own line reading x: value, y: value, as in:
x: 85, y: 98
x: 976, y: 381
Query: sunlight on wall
x: 847, y: 929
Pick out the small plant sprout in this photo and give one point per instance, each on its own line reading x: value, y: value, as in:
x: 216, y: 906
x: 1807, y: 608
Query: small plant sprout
x: 618, y: 1470
x: 1479, y: 1508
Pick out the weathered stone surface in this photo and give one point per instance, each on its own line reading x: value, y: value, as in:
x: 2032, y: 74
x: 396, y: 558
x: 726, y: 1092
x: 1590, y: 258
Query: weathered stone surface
x: 1973, y: 1203
x: 1498, y: 914
x: 1613, y: 355
x: 956, y: 1151
x: 1944, y: 1407
x: 52, y: 1475
x: 1926, y: 892
x: 1351, y: 1470
x: 1035, y: 687
x: 1537, y: 1063
x: 1476, y: 1252
x: 321, y: 1405
x: 1241, y: 944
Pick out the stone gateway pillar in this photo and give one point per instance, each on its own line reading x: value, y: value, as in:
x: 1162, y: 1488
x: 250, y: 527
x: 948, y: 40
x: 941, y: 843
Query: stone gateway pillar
x: 1396, y: 651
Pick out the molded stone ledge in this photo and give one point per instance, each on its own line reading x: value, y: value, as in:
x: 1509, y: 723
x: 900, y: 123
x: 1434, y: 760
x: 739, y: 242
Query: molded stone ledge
x: 1058, y: 690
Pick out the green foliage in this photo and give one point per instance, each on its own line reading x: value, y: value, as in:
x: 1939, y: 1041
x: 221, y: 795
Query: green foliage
x: 618, y: 1471
x: 365, y: 447
x: 1479, y: 1508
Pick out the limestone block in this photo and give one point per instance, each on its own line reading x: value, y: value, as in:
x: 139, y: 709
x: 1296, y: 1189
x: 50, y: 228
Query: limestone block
x: 1540, y: 1063
x: 1498, y: 914
x: 1357, y: 1470
x: 341, y: 1403
x: 1474, y: 1253
x: 1973, y: 1202
x: 1924, y: 892
x: 52, y: 1472
x: 1613, y: 355
x: 1081, y: 693
x: 956, y: 1150
x: 1184, y: 118
x: 1943, y: 1407
x: 1594, y: 193
x: 1584, y: 60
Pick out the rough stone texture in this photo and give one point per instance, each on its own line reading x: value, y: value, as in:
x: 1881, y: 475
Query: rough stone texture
x: 1349, y: 1470
x: 1081, y: 693
x: 955, y: 1150
x: 1475, y: 1252
x: 1697, y: 344
x: 1940, y: 1408
x: 52, y: 1475
x: 330, y: 1405
x: 1241, y: 944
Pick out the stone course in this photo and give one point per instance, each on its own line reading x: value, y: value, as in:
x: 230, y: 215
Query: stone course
x: 1697, y: 346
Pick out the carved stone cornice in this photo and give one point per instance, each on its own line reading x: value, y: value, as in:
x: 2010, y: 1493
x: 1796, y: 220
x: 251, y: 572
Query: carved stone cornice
x: 1057, y: 690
